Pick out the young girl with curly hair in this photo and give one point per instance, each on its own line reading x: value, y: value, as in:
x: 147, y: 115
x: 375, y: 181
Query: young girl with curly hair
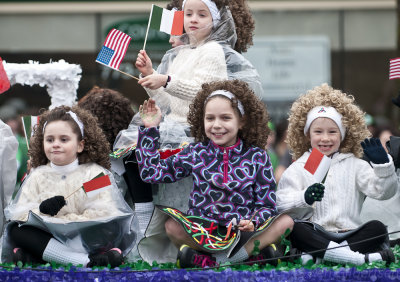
x: 233, y: 181
x: 328, y: 214
x: 205, y: 53
x: 67, y: 150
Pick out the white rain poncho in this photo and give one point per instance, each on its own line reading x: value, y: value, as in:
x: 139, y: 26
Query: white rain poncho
x: 85, y: 224
x: 8, y: 166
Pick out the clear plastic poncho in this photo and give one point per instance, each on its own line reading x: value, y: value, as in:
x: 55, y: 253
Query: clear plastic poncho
x: 8, y: 166
x: 172, y: 133
x: 87, y: 224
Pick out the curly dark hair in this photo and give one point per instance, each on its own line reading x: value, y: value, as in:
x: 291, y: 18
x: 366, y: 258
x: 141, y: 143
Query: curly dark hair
x: 244, y: 24
x: 255, y: 130
x: 242, y: 17
x: 96, y: 147
x: 112, y: 110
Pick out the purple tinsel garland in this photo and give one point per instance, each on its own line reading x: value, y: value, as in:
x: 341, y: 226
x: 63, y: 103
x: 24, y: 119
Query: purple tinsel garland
x: 204, y: 275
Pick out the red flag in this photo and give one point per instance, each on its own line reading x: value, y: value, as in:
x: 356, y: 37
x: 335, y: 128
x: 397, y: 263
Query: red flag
x: 394, y: 68
x: 96, y: 185
x: 318, y: 165
x: 4, y: 82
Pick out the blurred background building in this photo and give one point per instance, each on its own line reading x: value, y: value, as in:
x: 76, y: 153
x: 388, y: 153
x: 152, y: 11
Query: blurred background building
x: 297, y: 45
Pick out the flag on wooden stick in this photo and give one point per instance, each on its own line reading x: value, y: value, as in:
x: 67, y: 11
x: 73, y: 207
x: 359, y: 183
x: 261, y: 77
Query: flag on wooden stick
x: 394, y: 68
x: 29, y: 123
x: 168, y: 21
x: 318, y: 165
x: 114, y: 49
x: 4, y: 82
x: 97, y: 185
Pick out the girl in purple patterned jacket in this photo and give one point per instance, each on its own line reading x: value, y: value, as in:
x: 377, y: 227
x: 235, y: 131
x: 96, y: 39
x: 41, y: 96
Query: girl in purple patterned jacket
x: 232, y: 203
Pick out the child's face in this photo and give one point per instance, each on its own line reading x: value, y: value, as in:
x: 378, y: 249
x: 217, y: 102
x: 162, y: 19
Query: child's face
x: 325, y: 136
x: 221, y: 122
x: 197, y: 20
x: 61, y: 144
x: 175, y: 41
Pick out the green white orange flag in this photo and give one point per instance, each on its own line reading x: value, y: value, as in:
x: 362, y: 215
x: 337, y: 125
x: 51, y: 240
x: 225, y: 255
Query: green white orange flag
x: 97, y: 185
x: 167, y: 21
x: 29, y: 123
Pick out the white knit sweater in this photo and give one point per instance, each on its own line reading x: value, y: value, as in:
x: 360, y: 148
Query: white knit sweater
x: 44, y: 182
x: 189, y: 70
x: 348, y: 182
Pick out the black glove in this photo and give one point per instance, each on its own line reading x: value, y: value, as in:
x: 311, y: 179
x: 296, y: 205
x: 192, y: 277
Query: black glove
x: 374, y: 150
x: 314, y: 193
x: 52, y: 205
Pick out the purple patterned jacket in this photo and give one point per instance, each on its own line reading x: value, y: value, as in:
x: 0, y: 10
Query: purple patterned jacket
x: 229, y: 182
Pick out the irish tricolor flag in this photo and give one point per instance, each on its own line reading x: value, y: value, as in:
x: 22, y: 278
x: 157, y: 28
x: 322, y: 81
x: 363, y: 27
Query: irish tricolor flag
x: 29, y: 123
x: 167, y: 21
x: 97, y: 185
x: 318, y: 165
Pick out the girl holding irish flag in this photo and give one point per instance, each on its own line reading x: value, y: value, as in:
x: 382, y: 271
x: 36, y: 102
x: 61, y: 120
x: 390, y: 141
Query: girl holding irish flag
x: 69, y: 205
x: 327, y: 216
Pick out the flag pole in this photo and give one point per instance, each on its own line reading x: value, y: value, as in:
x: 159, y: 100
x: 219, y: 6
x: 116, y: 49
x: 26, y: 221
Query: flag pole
x: 26, y: 137
x: 72, y: 193
x: 148, y: 26
x: 127, y: 74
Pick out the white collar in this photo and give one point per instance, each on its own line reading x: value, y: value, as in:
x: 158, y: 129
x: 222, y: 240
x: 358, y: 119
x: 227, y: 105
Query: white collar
x: 65, y: 168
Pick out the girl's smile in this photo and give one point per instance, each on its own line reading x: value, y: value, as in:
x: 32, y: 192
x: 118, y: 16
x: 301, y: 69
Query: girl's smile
x: 325, y: 136
x: 221, y: 121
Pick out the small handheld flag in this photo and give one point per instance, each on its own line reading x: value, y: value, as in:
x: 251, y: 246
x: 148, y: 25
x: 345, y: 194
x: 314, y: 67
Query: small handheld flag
x: 114, y: 49
x: 394, y: 71
x: 29, y: 123
x: 4, y: 82
x: 318, y: 165
x: 168, y: 21
x: 96, y: 185
x: 93, y: 187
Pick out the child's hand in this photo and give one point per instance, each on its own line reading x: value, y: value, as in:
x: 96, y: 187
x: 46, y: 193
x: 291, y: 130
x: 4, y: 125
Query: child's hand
x: 143, y: 63
x: 374, y: 150
x: 153, y: 81
x: 150, y: 113
x: 314, y: 193
x: 246, y: 225
x: 52, y: 206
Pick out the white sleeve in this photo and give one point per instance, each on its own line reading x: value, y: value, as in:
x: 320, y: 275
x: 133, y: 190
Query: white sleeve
x: 380, y: 182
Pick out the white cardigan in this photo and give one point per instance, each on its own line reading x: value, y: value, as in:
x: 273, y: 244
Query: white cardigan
x: 189, y: 70
x: 348, y: 182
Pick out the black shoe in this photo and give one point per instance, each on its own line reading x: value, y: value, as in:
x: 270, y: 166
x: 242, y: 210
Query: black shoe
x: 112, y: 257
x: 386, y: 254
x: 24, y: 257
x: 188, y: 258
x: 266, y: 255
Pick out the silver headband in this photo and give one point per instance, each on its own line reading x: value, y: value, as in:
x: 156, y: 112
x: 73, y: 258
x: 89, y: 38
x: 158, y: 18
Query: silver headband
x: 228, y: 95
x: 75, y: 118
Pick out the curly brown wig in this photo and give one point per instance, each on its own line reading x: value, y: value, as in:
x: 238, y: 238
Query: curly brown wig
x: 242, y: 17
x: 244, y: 24
x: 255, y: 130
x: 96, y: 147
x: 324, y: 95
x: 112, y: 110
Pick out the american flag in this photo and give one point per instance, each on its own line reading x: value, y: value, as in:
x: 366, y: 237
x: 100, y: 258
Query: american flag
x: 394, y: 68
x: 114, y: 49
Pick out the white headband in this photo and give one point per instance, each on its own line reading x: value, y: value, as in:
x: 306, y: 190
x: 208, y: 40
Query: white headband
x: 327, y: 112
x: 228, y: 95
x: 213, y: 10
x: 75, y: 118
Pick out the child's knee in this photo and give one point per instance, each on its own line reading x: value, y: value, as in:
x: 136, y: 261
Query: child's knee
x: 172, y: 228
x: 286, y: 222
